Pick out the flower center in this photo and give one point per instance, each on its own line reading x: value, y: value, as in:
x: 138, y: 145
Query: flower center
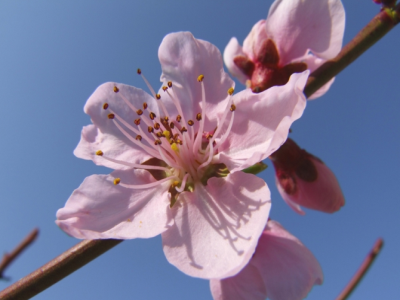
x: 181, y: 149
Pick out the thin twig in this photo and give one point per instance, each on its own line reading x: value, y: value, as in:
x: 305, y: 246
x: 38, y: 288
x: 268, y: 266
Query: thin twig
x: 8, y: 258
x: 58, y: 268
x: 362, y: 270
x: 381, y: 24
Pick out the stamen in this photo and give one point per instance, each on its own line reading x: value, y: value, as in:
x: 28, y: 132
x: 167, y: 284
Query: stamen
x: 200, y: 78
x: 156, y: 125
x: 159, y: 134
x: 99, y: 153
x: 190, y: 123
x: 158, y: 96
x: 117, y: 181
x: 170, y: 84
x: 116, y: 90
x: 233, y: 107
x: 183, y: 184
x: 150, y: 129
x: 139, y: 71
x: 197, y: 143
x: 152, y: 115
x: 198, y: 117
x: 144, y: 105
x: 138, y: 137
x: 157, y: 142
x: 137, y: 122
x: 139, y: 112
x: 105, y: 105
x: 136, y: 166
x: 164, y: 88
x: 111, y: 116
x: 148, y: 185
x: 230, y: 91
x: 178, y: 118
x: 172, y: 125
x: 183, y: 129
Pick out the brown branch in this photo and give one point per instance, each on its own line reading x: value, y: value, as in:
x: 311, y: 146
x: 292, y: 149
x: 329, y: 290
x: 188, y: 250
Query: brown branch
x: 381, y: 24
x: 362, y: 270
x: 8, y: 258
x: 58, y: 268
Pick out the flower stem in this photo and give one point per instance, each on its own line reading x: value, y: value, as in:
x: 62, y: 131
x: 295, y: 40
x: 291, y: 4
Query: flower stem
x: 57, y: 269
x: 381, y: 24
x: 8, y: 258
x: 362, y: 270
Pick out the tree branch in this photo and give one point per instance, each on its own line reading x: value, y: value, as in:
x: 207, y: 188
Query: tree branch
x: 381, y: 24
x: 8, y: 258
x: 362, y: 270
x: 57, y: 269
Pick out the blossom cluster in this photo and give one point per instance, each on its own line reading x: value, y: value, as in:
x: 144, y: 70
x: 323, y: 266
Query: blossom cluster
x: 182, y: 155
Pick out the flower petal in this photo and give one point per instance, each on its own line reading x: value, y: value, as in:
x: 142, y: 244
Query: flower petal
x: 217, y: 226
x: 261, y: 122
x: 232, y: 50
x: 254, y: 41
x: 288, y: 268
x: 247, y: 285
x: 107, y: 137
x: 98, y: 209
x: 183, y: 58
x: 314, y: 62
x: 324, y: 194
x: 297, y: 25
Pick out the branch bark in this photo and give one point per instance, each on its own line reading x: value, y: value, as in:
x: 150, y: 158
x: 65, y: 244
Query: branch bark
x: 57, y: 269
x: 361, y: 271
x: 8, y: 258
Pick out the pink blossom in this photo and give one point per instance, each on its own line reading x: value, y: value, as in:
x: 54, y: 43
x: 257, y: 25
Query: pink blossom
x: 282, y: 268
x: 297, y: 35
x: 178, y: 156
x: 303, y: 179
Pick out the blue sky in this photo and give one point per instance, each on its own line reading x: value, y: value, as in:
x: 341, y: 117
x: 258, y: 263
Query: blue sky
x: 54, y: 54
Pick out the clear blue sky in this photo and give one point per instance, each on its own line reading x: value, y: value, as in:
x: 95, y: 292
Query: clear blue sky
x: 53, y: 54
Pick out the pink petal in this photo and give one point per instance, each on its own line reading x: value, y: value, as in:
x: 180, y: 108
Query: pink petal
x: 324, y: 194
x: 246, y: 285
x: 262, y: 122
x: 255, y: 39
x: 98, y: 209
x: 313, y: 62
x: 92, y: 139
x: 296, y: 26
x: 217, y: 226
x: 183, y: 58
x: 232, y: 50
x: 104, y: 135
x: 288, y: 268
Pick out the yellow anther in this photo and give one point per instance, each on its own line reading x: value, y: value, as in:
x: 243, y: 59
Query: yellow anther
x: 158, y: 96
x: 157, y: 126
x: 231, y: 90
x: 233, y: 107
x: 138, y: 137
x: 105, y: 105
x: 137, y: 122
x: 159, y: 134
x: 150, y: 129
x: 152, y: 115
x: 144, y: 105
x: 178, y: 118
x: 198, y: 117
x: 139, y: 71
x: 174, y: 147
x: 200, y: 78
x: 166, y: 119
x: 117, y: 181
x: 169, y: 83
x: 99, y: 153
x: 116, y: 90
x: 164, y: 88
x: 183, y: 129
x: 157, y: 142
x: 175, y: 183
x: 139, y: 112
x: 167, y: 134
x: 190, y: 122
x: 111, y: 116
